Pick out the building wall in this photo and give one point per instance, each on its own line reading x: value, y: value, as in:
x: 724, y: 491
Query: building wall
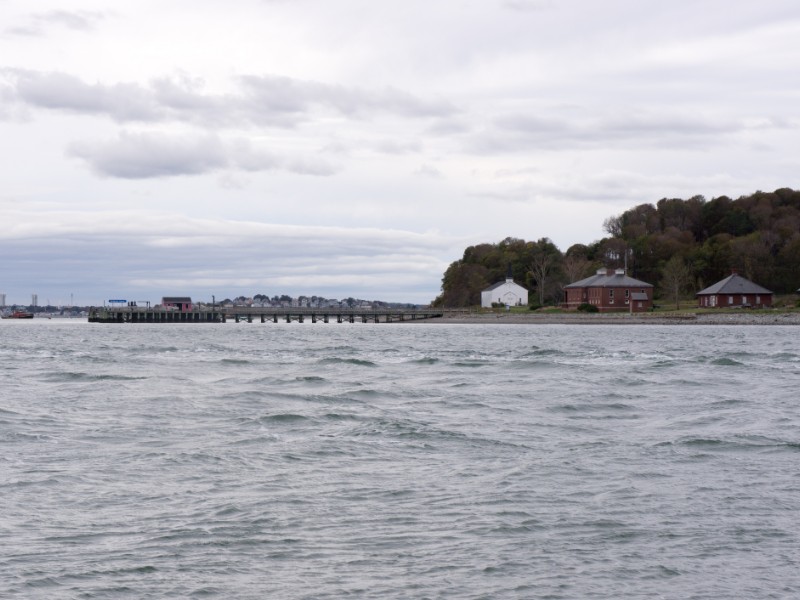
x: 507, y: 293
x: 181, y: 306
x: 734, y: 300
x: 609, y: 299
x: 574, y: 297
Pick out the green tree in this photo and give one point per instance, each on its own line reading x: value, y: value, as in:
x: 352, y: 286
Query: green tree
x: 461, y: 285
x: 545, y: 260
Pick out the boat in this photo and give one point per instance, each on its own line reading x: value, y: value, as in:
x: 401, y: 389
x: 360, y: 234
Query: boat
x: 19, y: 314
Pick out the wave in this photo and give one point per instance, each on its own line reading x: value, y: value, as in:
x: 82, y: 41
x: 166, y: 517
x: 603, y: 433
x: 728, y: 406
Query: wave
x: 748, y: 443
x: 145, y: 350
x: 592, y: 407
x: 726, y: 362
x: 428, y: 360
x: 283, y: 418
x: 82, y: 376
x: 359, y: 362
x: 342, y: 417
x: 538, y: 352
x: 785, y: 357
x: 310, y: 379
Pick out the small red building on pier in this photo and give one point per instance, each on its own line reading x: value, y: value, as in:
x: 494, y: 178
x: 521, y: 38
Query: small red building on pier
x: 180, y: 303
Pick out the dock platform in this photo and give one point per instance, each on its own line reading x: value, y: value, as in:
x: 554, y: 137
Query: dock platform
x: 133, y: 314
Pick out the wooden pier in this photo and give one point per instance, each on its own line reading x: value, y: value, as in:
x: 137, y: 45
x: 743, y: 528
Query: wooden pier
x: 237, y: 314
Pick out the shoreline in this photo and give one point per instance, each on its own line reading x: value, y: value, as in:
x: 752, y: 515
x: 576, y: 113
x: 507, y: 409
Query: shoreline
x: 619, y: 319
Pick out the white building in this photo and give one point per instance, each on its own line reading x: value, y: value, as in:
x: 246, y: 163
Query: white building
x: 506, y: 293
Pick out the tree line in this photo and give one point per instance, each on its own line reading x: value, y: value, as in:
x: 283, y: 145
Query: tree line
x: 679, y: 246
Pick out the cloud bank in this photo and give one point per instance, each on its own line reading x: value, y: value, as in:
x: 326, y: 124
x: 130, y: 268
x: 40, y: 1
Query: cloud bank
x: 264, y: 100
x: 316, y: 130
x: 148, y: 255
x: 148, y: 155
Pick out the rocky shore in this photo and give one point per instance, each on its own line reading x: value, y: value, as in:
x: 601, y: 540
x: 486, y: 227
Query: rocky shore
x: 722, y: 318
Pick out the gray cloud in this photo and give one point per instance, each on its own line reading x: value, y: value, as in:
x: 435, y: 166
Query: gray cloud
x: 59, y: 91
x: 527, y: 5
x: 81, y: 20
x: 140, y: 156
x: 395, y: 147
x: 336, y: 261
x: 429, y: 171
x: 39, y: 23
x: 286, y: 95
x: 522, y: 132
x: 262, y: 100
x: 154, y: 155
x: 449, y: 127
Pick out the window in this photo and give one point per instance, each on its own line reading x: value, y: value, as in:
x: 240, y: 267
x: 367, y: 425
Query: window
x: 730, y: 299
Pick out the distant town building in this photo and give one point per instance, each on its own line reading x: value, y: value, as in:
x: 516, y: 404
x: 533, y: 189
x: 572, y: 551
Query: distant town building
x: 734, y: 291
x: 34, y: 300
x: 505, y: 292
x: 610, y: 291
x: 182, y: 303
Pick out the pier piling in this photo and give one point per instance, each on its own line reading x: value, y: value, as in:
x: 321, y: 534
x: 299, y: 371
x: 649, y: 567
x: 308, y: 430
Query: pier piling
x: 204, y: 314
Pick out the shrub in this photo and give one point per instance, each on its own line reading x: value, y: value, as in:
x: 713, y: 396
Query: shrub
x: 588, y: 308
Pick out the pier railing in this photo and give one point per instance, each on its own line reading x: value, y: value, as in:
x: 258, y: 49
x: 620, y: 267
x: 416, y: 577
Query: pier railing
x: 218, y: 314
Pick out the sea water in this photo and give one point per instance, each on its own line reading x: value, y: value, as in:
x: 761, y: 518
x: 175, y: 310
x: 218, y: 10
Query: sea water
x: 398, y: 461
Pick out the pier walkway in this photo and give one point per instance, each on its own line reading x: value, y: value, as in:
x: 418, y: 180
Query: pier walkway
x: 238, y: 314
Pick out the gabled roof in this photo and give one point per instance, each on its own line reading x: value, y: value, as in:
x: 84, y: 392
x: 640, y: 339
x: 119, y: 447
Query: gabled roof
x: 734, y: 284
x: 501, y: 283
x: 176, y: 299
x: 619, y: 279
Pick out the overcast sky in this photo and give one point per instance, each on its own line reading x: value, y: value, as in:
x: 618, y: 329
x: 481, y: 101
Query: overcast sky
x: 356, y: 147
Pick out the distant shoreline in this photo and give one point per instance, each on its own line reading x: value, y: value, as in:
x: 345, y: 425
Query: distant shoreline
x: 742, y: 318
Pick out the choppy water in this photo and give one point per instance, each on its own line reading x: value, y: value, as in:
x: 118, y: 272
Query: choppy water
x: 398, y: 461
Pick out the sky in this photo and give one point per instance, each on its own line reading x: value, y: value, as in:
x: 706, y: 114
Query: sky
x: 356, y: 147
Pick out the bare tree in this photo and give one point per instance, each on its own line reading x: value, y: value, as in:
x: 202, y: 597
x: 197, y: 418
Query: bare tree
x: 613, y: 226
x: 575, y: 267
x: 676, y: 277
x: 540, y: 269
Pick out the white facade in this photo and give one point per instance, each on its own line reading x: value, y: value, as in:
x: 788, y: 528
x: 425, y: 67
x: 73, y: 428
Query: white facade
x: 506, y: 293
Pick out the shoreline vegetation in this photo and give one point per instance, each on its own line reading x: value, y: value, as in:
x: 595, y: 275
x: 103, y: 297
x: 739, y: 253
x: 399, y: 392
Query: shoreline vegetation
x: 678, y: 246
